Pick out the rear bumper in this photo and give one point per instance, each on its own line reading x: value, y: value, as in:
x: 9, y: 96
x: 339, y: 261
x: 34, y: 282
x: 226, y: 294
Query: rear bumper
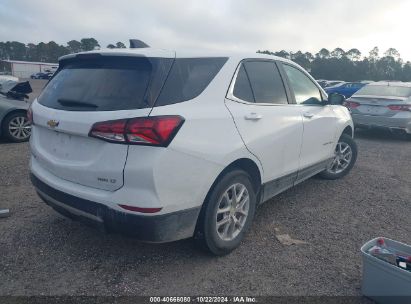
x: 157, y: 229
x: 403, y: 123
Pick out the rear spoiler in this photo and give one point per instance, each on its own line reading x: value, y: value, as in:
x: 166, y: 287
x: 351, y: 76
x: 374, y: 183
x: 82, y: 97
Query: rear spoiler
x: 138, y: 44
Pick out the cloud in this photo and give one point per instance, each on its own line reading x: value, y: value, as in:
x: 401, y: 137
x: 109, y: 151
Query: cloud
x: 223, y: 25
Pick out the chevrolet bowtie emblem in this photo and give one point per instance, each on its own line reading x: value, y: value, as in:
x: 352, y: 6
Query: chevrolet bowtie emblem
x: 53, y: 123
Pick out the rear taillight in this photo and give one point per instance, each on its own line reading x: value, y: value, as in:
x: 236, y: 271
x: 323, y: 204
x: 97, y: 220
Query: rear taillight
x: 153, y: 131
x: 400, y: 107
x: 351, y: 104
x: 30, y: 115
x: 112, y: 130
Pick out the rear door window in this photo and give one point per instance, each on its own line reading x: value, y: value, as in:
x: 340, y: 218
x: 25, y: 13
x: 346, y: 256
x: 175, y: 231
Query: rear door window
x: 106, y: 84
x: 266, y: 83
x: 242, y: 87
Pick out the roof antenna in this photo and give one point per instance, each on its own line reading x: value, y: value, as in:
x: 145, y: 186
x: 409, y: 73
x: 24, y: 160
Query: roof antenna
x: 137, y: 44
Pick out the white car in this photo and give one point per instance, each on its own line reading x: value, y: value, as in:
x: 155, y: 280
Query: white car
x: 169, y: 145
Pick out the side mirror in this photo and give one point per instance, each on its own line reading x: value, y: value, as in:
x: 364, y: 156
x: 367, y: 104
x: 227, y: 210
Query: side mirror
x: 336, y: 99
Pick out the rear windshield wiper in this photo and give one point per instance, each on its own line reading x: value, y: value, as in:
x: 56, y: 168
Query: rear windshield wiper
x: 76, y: 103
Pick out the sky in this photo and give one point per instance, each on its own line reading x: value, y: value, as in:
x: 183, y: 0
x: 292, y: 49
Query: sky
x: 239, y: 25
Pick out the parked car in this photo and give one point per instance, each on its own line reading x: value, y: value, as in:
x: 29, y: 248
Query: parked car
x: 14, y: 124
x: 347, y: 89
x: 322, y: 83
x: 41, y: 76
x: 331, y: 83
x: 384, y: 105
x: 4, y: 78
x: 169, y: 145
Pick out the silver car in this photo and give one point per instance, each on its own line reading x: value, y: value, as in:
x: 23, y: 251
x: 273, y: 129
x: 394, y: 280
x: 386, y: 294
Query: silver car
x: 383, y: 105
x: 14, y: 124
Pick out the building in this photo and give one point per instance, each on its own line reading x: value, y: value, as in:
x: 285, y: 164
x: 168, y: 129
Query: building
x: 23, y: 69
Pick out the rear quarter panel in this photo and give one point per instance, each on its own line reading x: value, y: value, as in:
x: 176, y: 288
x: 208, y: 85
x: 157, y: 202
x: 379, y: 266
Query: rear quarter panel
x: 205, y: 145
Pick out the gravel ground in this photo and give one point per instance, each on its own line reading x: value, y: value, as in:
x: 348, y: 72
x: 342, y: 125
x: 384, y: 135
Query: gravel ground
x: 42, y: 253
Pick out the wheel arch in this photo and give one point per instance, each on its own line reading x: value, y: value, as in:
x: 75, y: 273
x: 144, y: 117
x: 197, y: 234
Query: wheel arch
x: 349, y: 131
x: 6, y: 114
x: 247, y: 165
x: 11, y: 112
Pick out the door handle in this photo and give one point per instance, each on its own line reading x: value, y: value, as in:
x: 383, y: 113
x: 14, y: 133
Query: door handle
x: 253, y: 116
x: 308, y: 115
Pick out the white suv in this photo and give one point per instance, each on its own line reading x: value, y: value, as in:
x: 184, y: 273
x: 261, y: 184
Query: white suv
x: 166, y: 145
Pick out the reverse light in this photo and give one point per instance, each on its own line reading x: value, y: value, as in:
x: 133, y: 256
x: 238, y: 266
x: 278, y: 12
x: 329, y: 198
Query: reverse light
x: 400, y: 107
x: 140, y: 209
x: 153, y: 131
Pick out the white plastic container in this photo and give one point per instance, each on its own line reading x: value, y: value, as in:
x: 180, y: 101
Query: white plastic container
x: 382, y: 281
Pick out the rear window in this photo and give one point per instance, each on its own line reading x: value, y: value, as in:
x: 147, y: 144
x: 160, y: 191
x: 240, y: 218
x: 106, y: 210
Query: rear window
x: 123, y: 83
x: 382, y: 90
x: 106, y: 84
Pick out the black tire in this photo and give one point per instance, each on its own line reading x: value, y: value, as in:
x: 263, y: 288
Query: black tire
x: 326, y: 174
x: 207, y: 234
x: 6, y: 130
x: 401, y: 134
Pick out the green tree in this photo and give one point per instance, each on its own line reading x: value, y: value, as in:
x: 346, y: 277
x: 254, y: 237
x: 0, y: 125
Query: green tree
x: 42, y: 52
x: 353, y: 54
x: 111, y: 46
x: 31, y: 52
x: 3, y: 51
x: 15, y: 50
x: 338, y: 53
x: 391, y: 52
x: 309, y: 56
x: 301, y: 59
x: 374, y: 53
x: 89, y: 44
x: 406, y: 72
x: 53, y: 52
x: 283, y: 54
x: 323, y: 54
x: 120, y: 45
x: 74, y: 46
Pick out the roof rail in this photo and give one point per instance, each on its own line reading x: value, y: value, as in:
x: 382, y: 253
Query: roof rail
x: 137, y: 44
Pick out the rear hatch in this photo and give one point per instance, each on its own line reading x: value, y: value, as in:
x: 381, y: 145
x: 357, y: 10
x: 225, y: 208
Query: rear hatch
x: 90, y: 88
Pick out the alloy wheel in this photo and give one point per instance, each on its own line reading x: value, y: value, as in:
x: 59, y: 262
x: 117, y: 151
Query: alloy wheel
x: 342, y: 158
x: 20, y: 128
x: 232, y: 212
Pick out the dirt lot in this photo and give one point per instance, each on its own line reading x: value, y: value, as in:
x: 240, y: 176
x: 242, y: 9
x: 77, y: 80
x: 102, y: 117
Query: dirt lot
x: 42, y: 253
